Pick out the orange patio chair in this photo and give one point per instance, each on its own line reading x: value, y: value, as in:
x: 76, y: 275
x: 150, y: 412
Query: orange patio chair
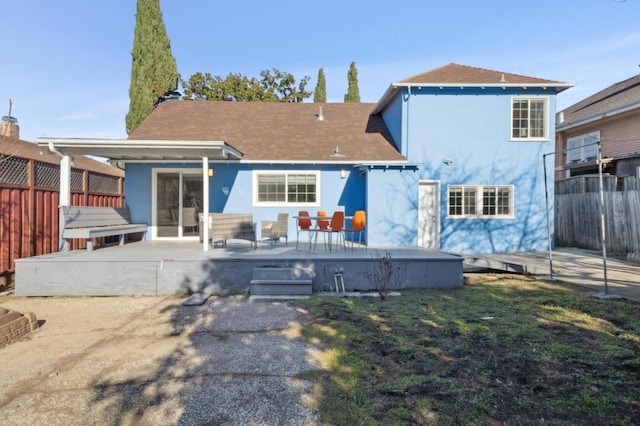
x: 358, y: 223
x: 322, y: 225
x: 304, y: 224
x: 336, y: 226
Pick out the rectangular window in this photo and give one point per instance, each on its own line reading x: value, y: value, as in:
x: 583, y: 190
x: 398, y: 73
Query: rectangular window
x: 286, y: 188
x: 583, y: 147
x: 529, y: 118
x: 480, y: 201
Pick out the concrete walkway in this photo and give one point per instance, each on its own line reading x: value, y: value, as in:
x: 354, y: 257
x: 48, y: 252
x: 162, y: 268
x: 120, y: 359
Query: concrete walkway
x: 580, y: 267
x: 149, y: 360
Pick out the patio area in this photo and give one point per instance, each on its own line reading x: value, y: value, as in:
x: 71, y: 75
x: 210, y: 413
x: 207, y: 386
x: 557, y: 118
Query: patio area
x: 150, y: 268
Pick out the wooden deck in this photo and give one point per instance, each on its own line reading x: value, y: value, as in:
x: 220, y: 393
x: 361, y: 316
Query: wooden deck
x: 170, y: 267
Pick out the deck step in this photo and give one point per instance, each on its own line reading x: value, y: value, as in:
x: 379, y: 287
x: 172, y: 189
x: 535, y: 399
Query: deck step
x: 280, y: 282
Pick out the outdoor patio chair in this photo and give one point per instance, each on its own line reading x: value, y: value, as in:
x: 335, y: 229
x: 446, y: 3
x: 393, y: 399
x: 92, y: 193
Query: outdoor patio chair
x: 189, y: 218
x: 336, y: 226
x: 303, y: 224
x: 274, y: 230
x: 358, y: 223
x: 322, y: 224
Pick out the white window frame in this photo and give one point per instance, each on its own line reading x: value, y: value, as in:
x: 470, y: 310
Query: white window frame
x: 546, y: 102
x: 255, y: 187
x: 479, y: 202
x: 582, y: 148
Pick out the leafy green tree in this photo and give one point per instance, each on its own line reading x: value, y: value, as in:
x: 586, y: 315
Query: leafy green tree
x: 353, y: 93
x: 272, y: 86
x: 320, y: 93
x: 154, y: 72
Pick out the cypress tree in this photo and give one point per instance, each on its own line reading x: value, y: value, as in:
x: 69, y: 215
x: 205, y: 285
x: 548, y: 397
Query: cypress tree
x: 353, y: 93
x: 320, y: 93
x: 153, y: 71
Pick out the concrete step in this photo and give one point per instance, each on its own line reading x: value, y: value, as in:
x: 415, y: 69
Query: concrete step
x: 280, y: 289
x: 280, y: 281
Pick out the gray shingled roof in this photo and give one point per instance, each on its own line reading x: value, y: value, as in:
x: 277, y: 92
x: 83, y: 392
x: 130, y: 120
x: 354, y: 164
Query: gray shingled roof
x: 618, y: 96
x: 277, y: 131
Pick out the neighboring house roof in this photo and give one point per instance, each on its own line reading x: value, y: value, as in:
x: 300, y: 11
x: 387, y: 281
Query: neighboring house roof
x: 617, y: 98
x: 277, y: 132
x: 11, y: 147
x: 455, y: 75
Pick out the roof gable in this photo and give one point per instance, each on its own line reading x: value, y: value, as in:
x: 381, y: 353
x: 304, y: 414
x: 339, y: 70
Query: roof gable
x: 277, y: 132
x: 455, y: 75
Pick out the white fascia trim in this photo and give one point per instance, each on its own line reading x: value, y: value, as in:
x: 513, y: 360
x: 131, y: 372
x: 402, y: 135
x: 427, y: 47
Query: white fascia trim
x: 165, y: 161
x: 306, y: 162
x: 384, y: 99
x: 506, y: 84
x: 610, y: 113
x: 174, y: 161
x: 124, y: 143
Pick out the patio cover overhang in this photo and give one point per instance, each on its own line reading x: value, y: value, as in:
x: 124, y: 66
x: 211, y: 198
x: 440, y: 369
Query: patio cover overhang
x: 125, y: 150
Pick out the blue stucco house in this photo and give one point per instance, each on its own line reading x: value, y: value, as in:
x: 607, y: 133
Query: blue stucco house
x: 449, y: 159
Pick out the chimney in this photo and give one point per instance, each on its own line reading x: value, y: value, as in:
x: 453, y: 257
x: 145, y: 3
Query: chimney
x: 320, y: 115
x: 9, y: 127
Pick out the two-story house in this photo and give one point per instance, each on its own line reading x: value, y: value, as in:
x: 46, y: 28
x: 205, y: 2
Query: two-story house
x: 448, y: 159
x: 609, y: 121
x: 611, y: 117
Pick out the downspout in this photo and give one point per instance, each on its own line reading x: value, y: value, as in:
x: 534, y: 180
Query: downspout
x: 53, y: 149
x: 408, y: 102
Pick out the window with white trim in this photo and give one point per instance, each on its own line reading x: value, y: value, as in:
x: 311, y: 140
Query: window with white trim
x: 529, y: 118
x: 480, y: 201
x: 277, y: 188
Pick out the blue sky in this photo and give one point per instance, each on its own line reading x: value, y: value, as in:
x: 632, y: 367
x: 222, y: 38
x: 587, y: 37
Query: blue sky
x: 66, y: 64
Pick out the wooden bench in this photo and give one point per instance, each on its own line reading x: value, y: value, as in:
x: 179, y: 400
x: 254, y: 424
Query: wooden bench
x: 231, y: 226
x: 98, y: 222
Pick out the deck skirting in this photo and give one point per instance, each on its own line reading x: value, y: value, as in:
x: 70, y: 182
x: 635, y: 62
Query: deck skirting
x: 151, y: 270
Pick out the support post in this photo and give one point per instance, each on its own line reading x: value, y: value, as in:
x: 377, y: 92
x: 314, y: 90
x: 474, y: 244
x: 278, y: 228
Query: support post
x: 603, y: 240
x: 65, y: 198
x: 546, y: 204
x: 205, y: 204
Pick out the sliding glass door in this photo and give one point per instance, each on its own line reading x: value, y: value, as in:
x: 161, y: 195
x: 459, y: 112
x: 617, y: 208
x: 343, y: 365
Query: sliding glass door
x: 178, y: 200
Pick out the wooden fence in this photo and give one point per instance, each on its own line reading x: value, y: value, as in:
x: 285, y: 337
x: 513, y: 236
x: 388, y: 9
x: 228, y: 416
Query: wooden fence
x: 29, y: 202
x: 577, y: 213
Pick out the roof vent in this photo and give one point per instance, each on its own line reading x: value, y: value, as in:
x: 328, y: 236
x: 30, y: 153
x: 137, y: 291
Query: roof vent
x: 502, y: 79
x: 320, y: 116
x: 336, y: 153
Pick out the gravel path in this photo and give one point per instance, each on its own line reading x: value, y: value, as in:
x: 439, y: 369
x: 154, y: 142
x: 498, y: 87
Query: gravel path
x: 149, y: 360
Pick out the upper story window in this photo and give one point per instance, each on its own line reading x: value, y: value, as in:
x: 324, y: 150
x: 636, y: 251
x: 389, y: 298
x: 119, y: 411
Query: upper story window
x: 279, y: 188
x: 480, y: 201
x: 529, y: 118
